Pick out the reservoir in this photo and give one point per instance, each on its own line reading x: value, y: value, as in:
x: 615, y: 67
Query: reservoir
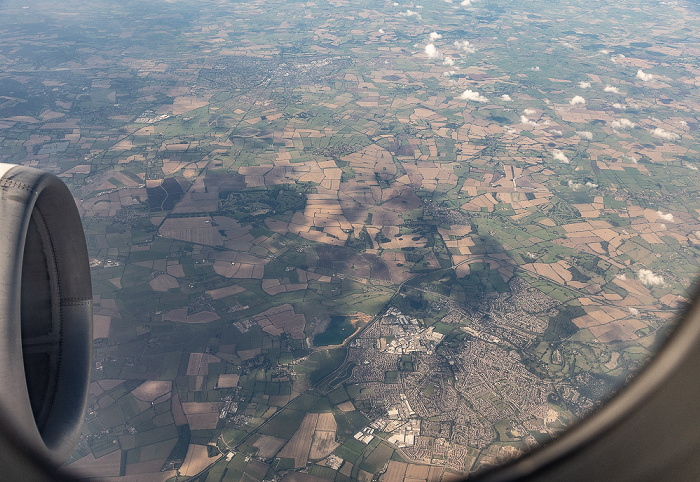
x: 337, y: 331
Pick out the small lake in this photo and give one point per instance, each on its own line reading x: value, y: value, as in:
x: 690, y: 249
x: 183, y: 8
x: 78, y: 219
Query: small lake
x: 337, y: 331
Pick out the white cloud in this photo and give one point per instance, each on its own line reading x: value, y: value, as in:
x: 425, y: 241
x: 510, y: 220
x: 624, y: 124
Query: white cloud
x: 682, y: 123
x: 419, y: 6
x: 506, y: 98
x: 585, y: 134
x: 529, y: 112
x: 536, y: 68
x: 556, y: 132
x: 591, y: 185
x: 664, y: 134
x: 575, y: 185
x: 568, y: 45
x: 560, y: 156
x: 696, y: 234
x: 622, y: 277
x: 604, y: 51
x: 665, y: 217
x: 644, y: 76
x: 381, y: 30
x: 690, y: 166
x: 633, y: 160
x: 465, y: 45
x: 432, y: 52
x: 634, y: 311
x: 584, y: 85
x: 473, y: 96
x: 409, y: 13
x: 435, y: 36
x: 527, y: 122
x: 511, y: 131
x: 467, y: 3
x: 449, y: 61
x: 577, y: 99
x: 610, y: 88
x: 622, y: 124
x: 449, y: 73
x: 647, y: 277
x: 617, y: 105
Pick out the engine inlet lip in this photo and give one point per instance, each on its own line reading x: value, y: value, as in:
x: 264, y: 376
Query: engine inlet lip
x: 28, y: 194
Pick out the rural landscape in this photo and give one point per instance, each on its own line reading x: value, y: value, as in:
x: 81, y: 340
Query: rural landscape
x: 359, y: 240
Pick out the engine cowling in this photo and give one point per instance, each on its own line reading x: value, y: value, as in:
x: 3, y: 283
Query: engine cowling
x: 45, y: 314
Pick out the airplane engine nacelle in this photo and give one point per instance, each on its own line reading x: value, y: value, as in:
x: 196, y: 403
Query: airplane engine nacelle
x: 45, y: 315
